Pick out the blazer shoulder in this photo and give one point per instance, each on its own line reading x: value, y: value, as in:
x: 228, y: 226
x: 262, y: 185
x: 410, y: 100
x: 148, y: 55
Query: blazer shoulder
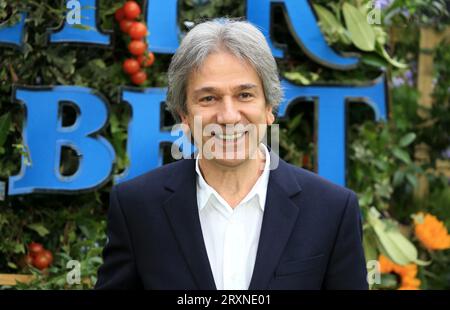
x: 153, y: 180
x: 319, y: 187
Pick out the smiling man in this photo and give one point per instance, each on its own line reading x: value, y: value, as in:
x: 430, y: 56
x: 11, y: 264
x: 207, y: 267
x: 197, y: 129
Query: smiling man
x: 235, y: 216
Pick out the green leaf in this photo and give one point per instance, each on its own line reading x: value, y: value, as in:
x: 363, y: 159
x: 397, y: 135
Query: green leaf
x: 95, y: 260
x: 407, y: 139
x: 331, y: 24
x: 380, y: 35
x: 80, y: 26
x: 402, y: 155
x: 374, y: 60
x: 19, y: 248
x: 366, y: 199
x: 394, y: 250
x: 5, y: 123
x: 297, y: 77
x: 412, y: 179
x: 381, y: 164
x: 39, y: 228
x: 12, y: 265
x: 99, y: 63
x: 382, y: 51
x: 85, y: 230
x: 294, y: 123
x: 326, y: 17
x: 388, y: 281
x: 397, y: 246
x: 369, y: 244
x: 399, y: 176
x: 361, y: 33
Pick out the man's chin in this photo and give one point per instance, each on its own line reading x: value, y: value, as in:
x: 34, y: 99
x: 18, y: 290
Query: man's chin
x: 229, y: 162
x: 231, y: 159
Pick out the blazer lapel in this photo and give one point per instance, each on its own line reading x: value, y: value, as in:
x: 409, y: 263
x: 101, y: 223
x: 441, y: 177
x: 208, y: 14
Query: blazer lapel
x: 182, y: 211
x: 280, y: 215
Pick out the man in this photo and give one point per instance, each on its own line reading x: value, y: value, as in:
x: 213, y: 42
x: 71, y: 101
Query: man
x: 236, y: 216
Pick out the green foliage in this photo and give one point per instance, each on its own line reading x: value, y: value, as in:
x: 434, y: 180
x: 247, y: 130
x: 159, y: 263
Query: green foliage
x: 435, y: 131
x: 195, y: 11
x: 361, y: 33
x: 359, y: 30
x: 381, y: 166
x: 392, y: 242
x: 419, y: 12
x: 72, y: 228
x: 5, y: 124
x: 380, y: 161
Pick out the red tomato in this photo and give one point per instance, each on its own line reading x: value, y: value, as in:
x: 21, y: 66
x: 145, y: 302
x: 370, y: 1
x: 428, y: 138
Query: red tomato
x: 137, y: 30
x: 139, y: 78
x: 137, y: 47
x: 131, y: 66
x: 48, y: 255
x: 35, y: 248
x: 28, y: 260
x: 41, y: 261
x: 146, y: 60
x: 119, y: 14
x: 125, y: 25
x: 131, y: 9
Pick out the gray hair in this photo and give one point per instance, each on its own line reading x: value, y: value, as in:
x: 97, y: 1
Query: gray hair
x: 240, y: 38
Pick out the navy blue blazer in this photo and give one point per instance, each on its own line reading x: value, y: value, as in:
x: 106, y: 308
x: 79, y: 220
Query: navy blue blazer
x: 311, y: 235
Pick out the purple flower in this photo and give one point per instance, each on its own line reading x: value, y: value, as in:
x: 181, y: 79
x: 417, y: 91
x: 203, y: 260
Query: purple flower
x: 409, y: 77
x: 406, y: 78
x: 446, y: 154
x: 398, y: 81
x: 406, y: 13
x: 382, y: 4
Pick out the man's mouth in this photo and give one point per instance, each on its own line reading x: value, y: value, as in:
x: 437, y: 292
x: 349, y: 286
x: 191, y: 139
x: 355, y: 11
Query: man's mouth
x: 230, y: 137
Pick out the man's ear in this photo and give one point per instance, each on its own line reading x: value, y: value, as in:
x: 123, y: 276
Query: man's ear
x: 186, y: 128
x: 270, y: 117
x: 185, y: 122
x: 183, y: 118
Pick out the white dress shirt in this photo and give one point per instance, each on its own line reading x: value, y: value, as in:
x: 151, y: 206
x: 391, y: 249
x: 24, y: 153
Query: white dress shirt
x: 232, y: 235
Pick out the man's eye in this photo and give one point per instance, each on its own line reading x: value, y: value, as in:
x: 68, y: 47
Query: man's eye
x: 245, y: 95
x: 207, y: 99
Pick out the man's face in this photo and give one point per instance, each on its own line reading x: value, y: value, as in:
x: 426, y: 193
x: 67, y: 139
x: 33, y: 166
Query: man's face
x: 227, y: 111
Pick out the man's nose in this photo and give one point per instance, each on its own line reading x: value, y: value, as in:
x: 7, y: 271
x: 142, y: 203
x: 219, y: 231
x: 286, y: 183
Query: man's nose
x: 228, y: 112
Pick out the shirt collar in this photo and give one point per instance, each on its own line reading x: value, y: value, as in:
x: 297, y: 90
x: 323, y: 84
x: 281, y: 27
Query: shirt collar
x: 205, y: 192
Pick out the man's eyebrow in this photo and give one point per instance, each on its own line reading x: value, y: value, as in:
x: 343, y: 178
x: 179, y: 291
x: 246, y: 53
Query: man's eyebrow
x: 206, y: 89
x: 211, y: 89
x: 245, y: 86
